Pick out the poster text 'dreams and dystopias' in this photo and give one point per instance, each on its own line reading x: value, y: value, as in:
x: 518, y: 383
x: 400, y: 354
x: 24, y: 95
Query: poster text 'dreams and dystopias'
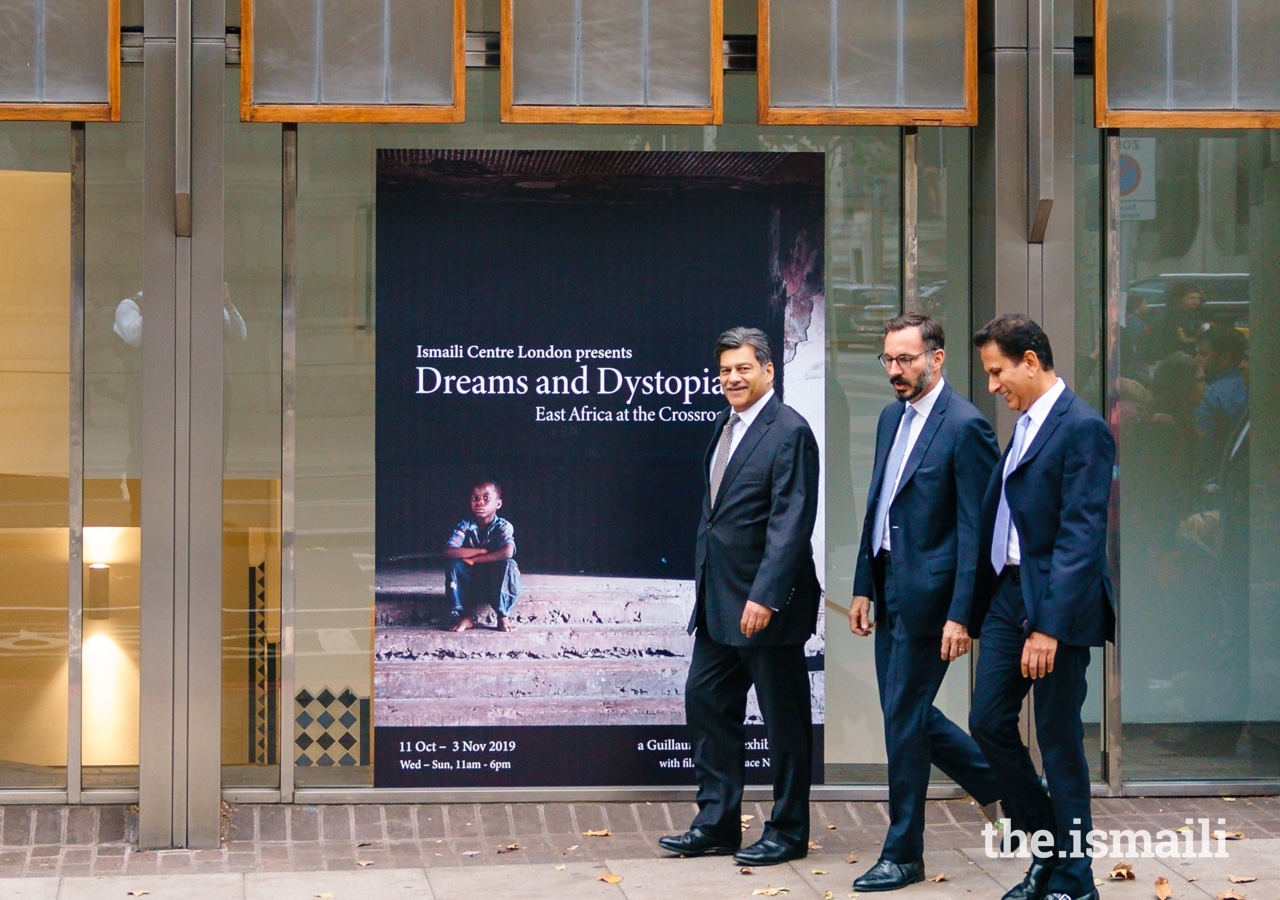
x: 546, y: 392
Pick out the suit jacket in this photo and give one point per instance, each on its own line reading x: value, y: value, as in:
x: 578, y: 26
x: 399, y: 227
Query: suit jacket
x: 755, y: 544
x: 1058, y: 500
x: 936, y: 516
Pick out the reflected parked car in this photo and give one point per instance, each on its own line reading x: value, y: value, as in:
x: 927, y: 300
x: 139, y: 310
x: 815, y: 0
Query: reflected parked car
x: 1226, y: 295
x: 859, y: 311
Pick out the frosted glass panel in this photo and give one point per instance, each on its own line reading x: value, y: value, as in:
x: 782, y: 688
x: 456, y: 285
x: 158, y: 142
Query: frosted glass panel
x: 421, y: 52
x: 53, y: 51
x: 867, y: 56
x: 611, y: 53
x: 1202, y: 55
x: 1259, y: 62
x: 679, y: 53
x: 800, y: 53
x: 1193, y: 54
x: 933, y: 54
x: 319, y: 51
x: 546, y: 63
x: 285, y: 51
x: 886, y: 54
x: 1137, y: 50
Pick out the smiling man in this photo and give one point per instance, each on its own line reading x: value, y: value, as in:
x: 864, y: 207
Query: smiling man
x: 917, y: 564
x: 757, y: 604
x: 1046, y: 599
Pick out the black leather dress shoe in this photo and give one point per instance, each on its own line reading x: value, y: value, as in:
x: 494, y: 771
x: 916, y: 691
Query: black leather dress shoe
x: 765, y: 852
x: 1034, y: 885
x: 1062, y: 895
x: 696, y: 842
x: 889, y: 876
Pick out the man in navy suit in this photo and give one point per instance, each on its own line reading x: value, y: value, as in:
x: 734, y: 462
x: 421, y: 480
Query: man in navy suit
x: 757, y: 604
x: 1045, y: 600
x: 917, y: 563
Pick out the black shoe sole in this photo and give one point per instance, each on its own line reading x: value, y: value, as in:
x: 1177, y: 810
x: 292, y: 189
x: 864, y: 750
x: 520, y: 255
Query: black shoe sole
x: 895, y: 887
x: 772, y: 862
x: 709, y: 851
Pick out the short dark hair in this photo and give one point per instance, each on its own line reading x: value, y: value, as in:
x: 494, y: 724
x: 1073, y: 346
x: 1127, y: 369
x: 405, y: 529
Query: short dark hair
x: 754, y: 338
x: 1179, y: 289
x: 1133, y: 302
x: 497, y: 488
x: 930, y: 328
x: 1225, y: 341
x: 1015, y: 334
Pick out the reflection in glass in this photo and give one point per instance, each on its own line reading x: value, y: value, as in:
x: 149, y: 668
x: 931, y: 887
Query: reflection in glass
x: 114, y: 313
x: 1197, y: 330
x: 35, y: 381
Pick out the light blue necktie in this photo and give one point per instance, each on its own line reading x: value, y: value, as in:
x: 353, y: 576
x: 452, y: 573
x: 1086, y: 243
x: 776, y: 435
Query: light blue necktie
x: 891, y: 468
x: 1000, y: 541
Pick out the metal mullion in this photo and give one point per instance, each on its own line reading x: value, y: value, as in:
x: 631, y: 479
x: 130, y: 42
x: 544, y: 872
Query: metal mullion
x: 288, y: 449
x: 910, y: 188
x: 75, y: 476
x: 1112, y: 745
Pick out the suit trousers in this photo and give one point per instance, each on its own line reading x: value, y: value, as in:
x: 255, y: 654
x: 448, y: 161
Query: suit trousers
x: 715, y: 701
x: 1057, y: 699
x: 909, y: 672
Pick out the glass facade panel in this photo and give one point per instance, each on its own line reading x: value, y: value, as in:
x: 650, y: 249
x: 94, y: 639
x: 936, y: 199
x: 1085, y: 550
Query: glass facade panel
x: 308, y: 51
x: 114, y: 311
x: 1137, y: 51
x: 910, y: 53
x: 1199, y: 343
x: 679, y: 53
x: 251, y: 452
x: 1259, y: 65
x: 1202, y: 66
x: 53, y: 52
x: 612, y: 52
x: 335, y: 405
x: 35, y: 384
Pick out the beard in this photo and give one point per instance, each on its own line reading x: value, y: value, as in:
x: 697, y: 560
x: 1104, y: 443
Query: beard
x: 914, y: 388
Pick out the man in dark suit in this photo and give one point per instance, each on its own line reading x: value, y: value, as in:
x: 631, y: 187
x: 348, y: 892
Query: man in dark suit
x: 1045, y: 599
x: 757, y: 604
x: 918, y: 562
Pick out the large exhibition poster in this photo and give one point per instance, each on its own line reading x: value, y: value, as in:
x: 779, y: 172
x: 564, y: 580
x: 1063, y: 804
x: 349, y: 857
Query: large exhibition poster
x: 546, y: 390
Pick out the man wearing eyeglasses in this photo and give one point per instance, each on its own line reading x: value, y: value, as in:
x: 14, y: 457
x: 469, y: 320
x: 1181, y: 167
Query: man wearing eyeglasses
x: 917, y: 564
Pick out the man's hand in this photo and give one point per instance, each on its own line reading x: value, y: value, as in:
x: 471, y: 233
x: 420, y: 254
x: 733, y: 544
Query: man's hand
x: 860, y: 616
x: 469, y: 560
x: 1037, y: 655
x: 754, y: 618
x: 955, y: 641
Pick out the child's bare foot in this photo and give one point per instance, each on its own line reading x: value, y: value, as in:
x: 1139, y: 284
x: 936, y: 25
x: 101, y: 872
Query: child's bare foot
x: 504, y: 624
x: 463, y: 624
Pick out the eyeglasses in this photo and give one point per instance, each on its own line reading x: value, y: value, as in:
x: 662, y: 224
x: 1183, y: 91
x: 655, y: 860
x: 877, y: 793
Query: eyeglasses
x: 904, y: 361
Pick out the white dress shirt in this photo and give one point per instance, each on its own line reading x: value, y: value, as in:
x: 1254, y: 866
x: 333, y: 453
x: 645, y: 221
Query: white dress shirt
x: 745, y: 418
x: 923, y: 406
x: 1036, y: 415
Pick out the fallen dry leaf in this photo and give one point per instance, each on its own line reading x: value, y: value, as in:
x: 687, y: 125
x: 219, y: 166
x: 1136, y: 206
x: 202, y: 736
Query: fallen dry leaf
x: 1230, y: 799
x: 324, y: 895
x: 364, y: 863
x: 819, y: 871
x: 747, y: 817
x: 570, y: 848
x: 560, y: 868
x: 746, y: 870
x: 1241, y: 879
x: 831, y: 828
x: 814, y: 845
x: 470, y: 852
x: 852, y: 857
x: 1163, y: 890
x: 603, y: 832
x: 939, y: 878
x: 609, y: 877
x: 827, y: 895
x: 1231, y: 895
x: 363, y: 844
x: 1229, y: 835
x: 508, y: 848
x: 1192, y: 878
x: 770, y: 891
x: 138, y: 893
x: 1185, y: 829
x: 1122, y: 871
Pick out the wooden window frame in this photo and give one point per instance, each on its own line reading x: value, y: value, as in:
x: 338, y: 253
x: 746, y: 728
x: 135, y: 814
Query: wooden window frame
x: 79, y: 112
x: 354, y: 112
x: 613, y: 115
x: 1105, y: 117
x: 868, y: 115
